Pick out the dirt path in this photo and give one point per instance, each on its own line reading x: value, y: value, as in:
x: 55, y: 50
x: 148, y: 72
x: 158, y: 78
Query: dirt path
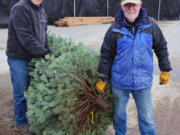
x: 6, y: 106
x: 167, y: 117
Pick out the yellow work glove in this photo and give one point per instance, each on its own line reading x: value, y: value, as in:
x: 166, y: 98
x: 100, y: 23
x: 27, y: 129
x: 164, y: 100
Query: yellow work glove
x: 164, y: 77
x: 100, y: 86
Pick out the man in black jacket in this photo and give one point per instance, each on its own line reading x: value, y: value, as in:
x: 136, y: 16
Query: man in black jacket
x: 27, y: 38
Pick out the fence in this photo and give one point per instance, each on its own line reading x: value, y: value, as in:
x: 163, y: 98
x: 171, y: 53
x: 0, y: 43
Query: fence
x: 158, y: 9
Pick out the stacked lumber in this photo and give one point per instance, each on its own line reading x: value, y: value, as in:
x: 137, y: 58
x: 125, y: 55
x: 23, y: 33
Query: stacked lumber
x: 76, y: 21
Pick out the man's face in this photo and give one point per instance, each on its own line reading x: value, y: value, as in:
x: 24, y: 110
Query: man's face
x: 36, y: 2
x: 131, y: 11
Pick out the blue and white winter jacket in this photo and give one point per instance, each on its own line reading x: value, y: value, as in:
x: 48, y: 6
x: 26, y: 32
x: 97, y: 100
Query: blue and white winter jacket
x: 126, y: 53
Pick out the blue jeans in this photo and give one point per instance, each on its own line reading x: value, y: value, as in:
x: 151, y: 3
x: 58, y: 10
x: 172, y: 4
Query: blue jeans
x: 19, y: 79
x: 144, y: 108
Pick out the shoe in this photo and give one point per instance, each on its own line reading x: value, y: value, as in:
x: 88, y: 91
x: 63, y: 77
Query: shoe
x: 24, y: 130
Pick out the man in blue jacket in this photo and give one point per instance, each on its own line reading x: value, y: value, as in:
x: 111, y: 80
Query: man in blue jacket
x: 127, y: 58
x: 27, y: 38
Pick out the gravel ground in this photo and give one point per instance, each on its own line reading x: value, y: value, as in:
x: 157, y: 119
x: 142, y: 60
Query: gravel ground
x: 166, y: 99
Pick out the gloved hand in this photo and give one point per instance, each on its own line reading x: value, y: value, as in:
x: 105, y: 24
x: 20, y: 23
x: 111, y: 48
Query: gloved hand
x: 100, y: 86
x: 164, y: 77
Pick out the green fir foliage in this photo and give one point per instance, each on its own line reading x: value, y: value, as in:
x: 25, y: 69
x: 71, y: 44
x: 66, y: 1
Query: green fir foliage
x: 54, y: 82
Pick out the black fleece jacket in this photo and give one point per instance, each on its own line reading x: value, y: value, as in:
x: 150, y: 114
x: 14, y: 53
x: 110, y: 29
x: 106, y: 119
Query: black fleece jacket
x: 27, y: 28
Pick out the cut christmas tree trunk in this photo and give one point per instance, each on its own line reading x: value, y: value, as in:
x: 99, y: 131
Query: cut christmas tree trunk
x: 61, y: 98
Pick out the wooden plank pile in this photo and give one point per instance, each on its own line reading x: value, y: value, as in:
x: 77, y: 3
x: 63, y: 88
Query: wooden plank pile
x: 76, y: 21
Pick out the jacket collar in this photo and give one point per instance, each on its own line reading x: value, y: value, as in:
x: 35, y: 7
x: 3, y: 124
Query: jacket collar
x: 33, y: 5
x: 141, y: 18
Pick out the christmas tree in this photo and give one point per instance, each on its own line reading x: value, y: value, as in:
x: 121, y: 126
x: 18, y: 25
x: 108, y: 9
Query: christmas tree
x: 61, y: 98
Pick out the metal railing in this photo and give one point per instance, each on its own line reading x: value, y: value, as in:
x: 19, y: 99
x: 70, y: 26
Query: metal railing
x: 108, y: 3
x: 74, y: 7
x: 107, y: 8
x: 159, y: 10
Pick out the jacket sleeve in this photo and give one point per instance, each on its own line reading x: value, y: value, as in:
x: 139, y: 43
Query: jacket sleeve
x: 108, y: 50
x: 46, y: 43
x: 22, y: 23
x: 160, y: 48
x: 46, y: 35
